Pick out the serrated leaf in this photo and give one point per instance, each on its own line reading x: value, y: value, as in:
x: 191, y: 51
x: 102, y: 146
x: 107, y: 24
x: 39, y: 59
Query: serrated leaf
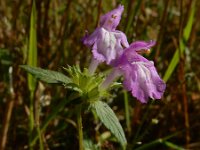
x: 47, y: 76
x: 109, y: 119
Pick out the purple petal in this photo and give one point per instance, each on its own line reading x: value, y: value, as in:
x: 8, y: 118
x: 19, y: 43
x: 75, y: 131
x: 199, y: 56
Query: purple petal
x: 141, y: 45
x: 111, y: 19
x: 89, y: 40
x: 106, y: 45
x: 123, y: 39
x: 96, y: 55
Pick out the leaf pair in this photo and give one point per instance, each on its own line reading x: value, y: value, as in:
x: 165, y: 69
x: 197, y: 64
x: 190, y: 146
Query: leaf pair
x: 87, y: 86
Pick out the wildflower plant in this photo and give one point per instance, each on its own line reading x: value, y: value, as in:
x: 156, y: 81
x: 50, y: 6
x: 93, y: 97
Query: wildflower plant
x: 89, y: 88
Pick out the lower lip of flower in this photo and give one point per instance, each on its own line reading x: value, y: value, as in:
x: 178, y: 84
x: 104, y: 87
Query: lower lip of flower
x: 143, y: 71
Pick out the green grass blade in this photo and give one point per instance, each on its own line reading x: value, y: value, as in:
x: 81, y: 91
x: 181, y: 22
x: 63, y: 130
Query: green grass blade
x: 157, y: 142
x: 32, y: 52
x: 172, y: 145
x: 186, y: 35
x: 32, y: 61
x: 188, y: 28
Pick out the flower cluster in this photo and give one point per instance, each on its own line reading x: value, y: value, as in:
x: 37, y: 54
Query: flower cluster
x: 111, y: 46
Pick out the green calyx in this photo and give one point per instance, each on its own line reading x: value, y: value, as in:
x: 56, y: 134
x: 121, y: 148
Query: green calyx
x: 86, y: 85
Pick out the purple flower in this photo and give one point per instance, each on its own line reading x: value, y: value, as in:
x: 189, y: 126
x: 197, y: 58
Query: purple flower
x: 140, y: 75
x: 106, y: 42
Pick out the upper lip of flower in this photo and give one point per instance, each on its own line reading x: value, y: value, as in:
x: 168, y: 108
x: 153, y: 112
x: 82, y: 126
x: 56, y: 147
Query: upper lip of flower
x: 111, y: 19
x: 141, y: 45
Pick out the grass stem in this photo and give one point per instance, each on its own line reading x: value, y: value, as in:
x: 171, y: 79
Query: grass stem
x: 127, y: 113
x: 31, y: 118
x: 80, y: 128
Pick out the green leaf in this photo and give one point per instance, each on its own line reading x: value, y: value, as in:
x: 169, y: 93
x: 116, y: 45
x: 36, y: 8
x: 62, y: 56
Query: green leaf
x: 47, y: 76
x: 32, y: 52
x: 109, y: 119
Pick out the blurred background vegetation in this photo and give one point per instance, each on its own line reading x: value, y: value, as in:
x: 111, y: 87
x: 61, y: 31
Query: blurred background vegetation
x: 170, y: 123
